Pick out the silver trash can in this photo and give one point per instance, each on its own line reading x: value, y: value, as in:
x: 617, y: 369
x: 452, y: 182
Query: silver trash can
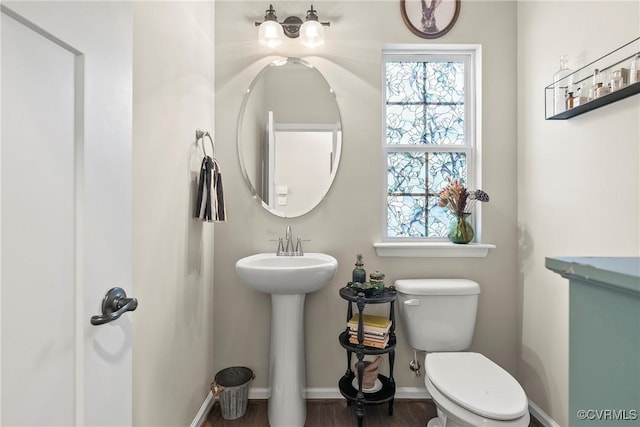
x: 231, y: 385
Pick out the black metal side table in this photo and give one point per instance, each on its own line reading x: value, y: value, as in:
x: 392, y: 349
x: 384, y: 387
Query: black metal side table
x: 388, y: 390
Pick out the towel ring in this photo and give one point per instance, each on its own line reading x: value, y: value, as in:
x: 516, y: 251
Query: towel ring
x: 200, y: 134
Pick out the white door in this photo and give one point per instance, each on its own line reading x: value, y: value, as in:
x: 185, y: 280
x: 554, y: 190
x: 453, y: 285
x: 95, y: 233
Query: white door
x: 302, y: 166
x: 65, y: 212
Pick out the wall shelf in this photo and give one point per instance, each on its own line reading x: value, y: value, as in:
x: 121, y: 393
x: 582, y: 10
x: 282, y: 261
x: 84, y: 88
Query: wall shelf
x: 581, y: 80
x: 598, y: 102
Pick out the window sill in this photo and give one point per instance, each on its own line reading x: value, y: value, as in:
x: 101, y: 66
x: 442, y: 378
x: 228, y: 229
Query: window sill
x: 432, y: 249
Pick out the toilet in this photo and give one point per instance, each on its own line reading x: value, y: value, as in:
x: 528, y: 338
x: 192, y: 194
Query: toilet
x: 468, y: 389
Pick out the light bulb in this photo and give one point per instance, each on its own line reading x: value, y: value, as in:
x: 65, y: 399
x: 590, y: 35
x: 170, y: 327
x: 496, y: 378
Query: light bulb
x: 270, y: 34
x: 312, y: 34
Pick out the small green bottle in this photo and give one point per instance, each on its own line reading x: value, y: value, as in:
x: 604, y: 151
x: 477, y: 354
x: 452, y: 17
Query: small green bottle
x: 359, y: 275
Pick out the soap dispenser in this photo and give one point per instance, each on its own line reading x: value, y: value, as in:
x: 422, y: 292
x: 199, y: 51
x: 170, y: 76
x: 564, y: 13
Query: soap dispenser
x: 359, y: 274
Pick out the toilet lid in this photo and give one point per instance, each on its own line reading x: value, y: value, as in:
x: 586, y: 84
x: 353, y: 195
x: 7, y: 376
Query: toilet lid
x: 477, y: 384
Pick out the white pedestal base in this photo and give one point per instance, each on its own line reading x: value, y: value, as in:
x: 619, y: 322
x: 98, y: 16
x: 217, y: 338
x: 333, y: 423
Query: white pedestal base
x: 287, y: 406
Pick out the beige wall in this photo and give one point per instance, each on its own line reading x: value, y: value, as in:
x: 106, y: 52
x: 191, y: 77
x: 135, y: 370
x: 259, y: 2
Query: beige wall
x: 173, y: 254
x: 347, y: 222
x: 578, y: 180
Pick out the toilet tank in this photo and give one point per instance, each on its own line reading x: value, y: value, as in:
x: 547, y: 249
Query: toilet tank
x: 438, y: 314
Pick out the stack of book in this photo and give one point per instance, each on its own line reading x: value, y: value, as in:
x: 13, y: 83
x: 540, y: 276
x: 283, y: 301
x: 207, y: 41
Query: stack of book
x: 375, y: 328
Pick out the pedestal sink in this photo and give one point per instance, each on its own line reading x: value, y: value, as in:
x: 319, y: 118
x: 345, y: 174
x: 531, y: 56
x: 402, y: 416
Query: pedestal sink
x: 288, y: 279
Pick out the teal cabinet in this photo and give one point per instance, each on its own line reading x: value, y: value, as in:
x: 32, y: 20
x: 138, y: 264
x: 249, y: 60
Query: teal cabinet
x: 604, y: 339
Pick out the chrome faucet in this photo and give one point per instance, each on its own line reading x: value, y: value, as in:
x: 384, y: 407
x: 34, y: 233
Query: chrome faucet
x: 285, y: 246
x: 288, y: 248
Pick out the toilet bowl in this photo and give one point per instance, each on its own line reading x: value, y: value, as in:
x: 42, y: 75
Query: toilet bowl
x: 467, y: 388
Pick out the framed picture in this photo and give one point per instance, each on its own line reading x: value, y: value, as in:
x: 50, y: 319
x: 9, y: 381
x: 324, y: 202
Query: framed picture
x: 430, y: 19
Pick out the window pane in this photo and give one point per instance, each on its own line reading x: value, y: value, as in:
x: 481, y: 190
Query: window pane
x: 405, y: 82
x: 445, y: 82
x: 443, y: 165
x: 407, y: 172
x: 405, y: 124
x: 445, y: 125
x: 438, y: 218
x: 406, y: 216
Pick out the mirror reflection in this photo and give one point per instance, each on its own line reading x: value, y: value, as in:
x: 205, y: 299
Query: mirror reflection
x: 289, y: 137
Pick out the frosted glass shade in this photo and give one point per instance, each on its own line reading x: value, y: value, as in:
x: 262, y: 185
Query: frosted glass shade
x: 312, y: 34
x: 270, y: 34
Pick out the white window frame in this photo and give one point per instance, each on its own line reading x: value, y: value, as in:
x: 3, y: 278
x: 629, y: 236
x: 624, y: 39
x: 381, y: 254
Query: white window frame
x: 472, y: 57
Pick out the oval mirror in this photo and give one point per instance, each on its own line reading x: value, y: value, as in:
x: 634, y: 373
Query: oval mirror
x: 289, y: 137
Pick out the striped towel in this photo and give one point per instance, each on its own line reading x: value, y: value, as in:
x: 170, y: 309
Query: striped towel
x: 210, y: 205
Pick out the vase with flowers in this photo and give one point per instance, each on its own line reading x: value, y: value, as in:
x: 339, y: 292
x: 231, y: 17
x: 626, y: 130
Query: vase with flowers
x: 461, y: 202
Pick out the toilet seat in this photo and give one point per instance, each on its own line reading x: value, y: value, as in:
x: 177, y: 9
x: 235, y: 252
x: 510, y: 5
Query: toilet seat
x: 452, y: 414
x: 477, y: 384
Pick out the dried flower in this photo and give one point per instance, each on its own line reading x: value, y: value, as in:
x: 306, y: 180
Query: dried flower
x: 458, y: 198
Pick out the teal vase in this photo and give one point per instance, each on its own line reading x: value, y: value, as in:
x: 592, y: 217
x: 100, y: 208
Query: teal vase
x: 460, y: 230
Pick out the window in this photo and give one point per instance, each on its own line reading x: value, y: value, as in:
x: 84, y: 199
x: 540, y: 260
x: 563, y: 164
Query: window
x: 430, y: 135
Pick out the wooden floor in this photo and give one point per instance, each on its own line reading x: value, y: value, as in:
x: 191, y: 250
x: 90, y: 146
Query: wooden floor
x: 336, y: 413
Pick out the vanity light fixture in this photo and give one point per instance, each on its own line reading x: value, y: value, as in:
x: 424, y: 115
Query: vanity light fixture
x: 271, y: 31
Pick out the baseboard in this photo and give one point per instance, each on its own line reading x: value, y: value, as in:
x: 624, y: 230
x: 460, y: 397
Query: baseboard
x: 319, y: 393
x: 412, y: 393
x: 541, y: 416
x: 259, y: 393
x: 203, y: 412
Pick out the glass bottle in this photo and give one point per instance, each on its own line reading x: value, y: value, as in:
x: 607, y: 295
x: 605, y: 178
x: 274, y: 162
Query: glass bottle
x: 569, y: 101
x: 359, y: 274
x: 603, y: 85
x: 578, y: 97
x: 561, y: 85
x: 595, y: 84
x: 617, y: 80
x: 634, y: 70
